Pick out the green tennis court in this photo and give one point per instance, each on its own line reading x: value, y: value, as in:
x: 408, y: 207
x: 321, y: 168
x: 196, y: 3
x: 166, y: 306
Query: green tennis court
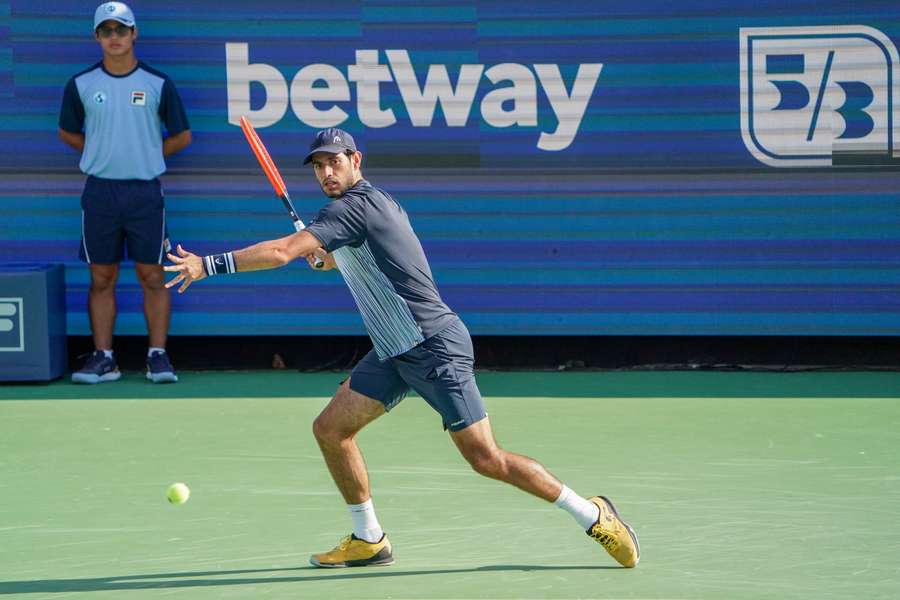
x: 740, y: 485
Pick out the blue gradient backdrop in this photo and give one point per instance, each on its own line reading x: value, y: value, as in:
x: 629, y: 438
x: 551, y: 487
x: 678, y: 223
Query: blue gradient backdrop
x: 656, y: 220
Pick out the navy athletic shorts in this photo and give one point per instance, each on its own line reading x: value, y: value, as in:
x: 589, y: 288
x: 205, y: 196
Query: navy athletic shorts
x: 441, y: 369
x: 120, y: 213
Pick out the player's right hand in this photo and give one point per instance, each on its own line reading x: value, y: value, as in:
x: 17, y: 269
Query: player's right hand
x: 320, y: 256
x: 189, y: 267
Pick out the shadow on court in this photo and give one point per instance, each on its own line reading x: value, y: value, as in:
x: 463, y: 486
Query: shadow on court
x: 223, y: 578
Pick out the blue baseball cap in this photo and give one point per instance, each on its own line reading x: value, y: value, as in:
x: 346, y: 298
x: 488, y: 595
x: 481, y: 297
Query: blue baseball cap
x: 113, y: 11
x: 334, y: 141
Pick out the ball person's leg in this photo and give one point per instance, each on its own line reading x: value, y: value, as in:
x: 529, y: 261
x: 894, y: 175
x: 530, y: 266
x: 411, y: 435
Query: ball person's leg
x: 102, y: 303
x: 146, y: 237
x: 157, y: 302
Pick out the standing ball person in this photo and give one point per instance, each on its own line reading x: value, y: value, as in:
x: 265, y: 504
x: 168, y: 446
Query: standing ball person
x: 419, y: 344
x: 113, y: 114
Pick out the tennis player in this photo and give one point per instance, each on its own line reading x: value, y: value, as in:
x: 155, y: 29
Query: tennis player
x: 419, y: 344
x: 113, y: 114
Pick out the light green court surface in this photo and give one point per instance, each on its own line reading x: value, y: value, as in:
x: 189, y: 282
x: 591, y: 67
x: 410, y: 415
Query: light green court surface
x: 741, y: 486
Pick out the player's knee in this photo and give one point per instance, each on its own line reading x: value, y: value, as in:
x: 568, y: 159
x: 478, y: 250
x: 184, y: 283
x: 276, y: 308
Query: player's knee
x: 490, y: 463
x: 320, y: 428
x: 325, y: 431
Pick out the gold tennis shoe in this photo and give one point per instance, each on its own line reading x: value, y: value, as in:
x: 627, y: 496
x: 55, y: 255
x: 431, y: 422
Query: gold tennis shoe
x: 614, y: 534
x: 354, y: 552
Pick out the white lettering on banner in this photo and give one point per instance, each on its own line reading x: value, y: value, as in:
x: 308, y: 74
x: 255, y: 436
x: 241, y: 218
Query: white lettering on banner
x: 515, y: 104
x: 569, y: 108
x: 522, y: 94
x: 420, y: 103
x: 238, y: 74
x: 303, y: 94
x: 367, y: 74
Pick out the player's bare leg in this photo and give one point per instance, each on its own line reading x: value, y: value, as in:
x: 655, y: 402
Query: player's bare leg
x: 335, y: 430
x: 597, y: 516
x: 157, y: 302
x: 477, y: 445
x: 102, y: 304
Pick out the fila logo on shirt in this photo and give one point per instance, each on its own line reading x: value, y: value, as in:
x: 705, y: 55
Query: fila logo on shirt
x: 138, y: 98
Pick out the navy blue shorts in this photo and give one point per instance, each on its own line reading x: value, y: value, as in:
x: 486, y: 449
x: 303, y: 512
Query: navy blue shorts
x: 123, y: 213
x: 441, y: 369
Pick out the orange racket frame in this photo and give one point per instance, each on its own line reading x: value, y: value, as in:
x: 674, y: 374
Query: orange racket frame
x: 274, y: 176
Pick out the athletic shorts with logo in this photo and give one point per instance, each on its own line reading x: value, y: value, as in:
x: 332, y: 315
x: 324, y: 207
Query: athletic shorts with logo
x: 441, y: 370
x: 120, y: 215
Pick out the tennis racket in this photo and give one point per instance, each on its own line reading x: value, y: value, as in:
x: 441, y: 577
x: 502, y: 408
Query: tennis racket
x: 271, y: 171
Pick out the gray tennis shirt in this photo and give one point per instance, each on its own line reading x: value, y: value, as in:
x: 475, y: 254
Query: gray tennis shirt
x: 383, y: 264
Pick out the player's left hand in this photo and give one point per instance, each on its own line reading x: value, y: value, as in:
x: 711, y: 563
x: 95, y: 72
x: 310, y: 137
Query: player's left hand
x: 327, y: 260
x: 189, y: 267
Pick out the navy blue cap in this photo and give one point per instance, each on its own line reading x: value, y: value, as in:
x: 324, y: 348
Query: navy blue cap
x: 333, y: 140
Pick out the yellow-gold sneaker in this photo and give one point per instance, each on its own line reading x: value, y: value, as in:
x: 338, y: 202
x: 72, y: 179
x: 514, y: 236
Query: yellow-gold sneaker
x: 614, y: 534
x: 354, y: 552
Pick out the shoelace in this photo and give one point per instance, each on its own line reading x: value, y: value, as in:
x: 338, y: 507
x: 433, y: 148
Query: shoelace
x: 159, y: 361
x: 606, y: 540
x: 345, y: 543
x: 93, y: 359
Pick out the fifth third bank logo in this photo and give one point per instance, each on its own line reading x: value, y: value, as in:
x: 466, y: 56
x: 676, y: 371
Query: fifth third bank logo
x: 810, y: 95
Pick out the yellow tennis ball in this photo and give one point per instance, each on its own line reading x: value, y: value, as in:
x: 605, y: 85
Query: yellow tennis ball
x: 178, y: 493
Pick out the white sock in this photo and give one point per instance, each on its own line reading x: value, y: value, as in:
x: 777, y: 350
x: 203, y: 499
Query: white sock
x: 107, y: 353
x: 584, y: 511
x: 153, y: 349
x: 365, y: 523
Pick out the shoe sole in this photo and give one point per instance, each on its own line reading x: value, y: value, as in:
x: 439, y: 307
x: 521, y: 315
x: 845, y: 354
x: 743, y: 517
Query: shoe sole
x: 631, y: 532
x: 162, y: 377
x: 353, y: 563
x: 91, y: 379
x: 377, y: 560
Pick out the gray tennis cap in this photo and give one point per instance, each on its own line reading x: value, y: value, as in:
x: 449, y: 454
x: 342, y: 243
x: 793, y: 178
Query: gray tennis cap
x: 113, y: 11
x: 331, y: 140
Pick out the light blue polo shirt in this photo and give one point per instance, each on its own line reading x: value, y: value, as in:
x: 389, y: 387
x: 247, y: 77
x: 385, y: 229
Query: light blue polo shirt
x: 122, y: 117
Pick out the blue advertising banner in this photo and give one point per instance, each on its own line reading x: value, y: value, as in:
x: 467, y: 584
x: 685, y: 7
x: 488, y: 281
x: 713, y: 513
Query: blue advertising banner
x: 698, y: 168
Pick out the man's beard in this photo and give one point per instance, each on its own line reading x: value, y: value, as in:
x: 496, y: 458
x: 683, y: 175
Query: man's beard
x: 335, y: 192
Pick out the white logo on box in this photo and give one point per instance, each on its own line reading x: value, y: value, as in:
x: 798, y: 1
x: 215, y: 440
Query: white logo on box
x: 12, y: 325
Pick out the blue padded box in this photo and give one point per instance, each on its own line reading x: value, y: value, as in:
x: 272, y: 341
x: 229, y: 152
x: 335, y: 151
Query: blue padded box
x: 32, y: 322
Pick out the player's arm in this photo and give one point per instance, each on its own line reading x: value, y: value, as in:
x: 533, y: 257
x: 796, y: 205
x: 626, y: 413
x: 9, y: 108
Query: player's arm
x: 176, y: 143
x: 74, y: 140
x: 276, y: 253
x: 270, y: 254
